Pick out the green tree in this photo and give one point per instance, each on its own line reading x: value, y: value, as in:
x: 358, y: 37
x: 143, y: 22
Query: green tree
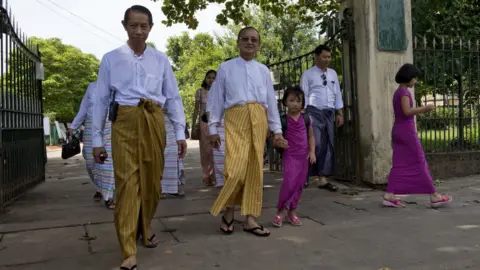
x: 191, y: 58
x: 446, y: 18
x: 281, y: 38
x: 236, y: 11
x: 68, y: 71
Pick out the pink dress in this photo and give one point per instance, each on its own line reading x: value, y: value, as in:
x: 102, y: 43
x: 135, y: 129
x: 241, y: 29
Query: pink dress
x: 409, y: 173
x: 295, y: 164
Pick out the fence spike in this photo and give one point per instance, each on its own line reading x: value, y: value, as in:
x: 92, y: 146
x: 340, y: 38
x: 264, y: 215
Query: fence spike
x: 424, y: 42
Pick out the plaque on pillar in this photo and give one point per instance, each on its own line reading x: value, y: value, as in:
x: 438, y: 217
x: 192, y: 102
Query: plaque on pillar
x: 392, y: 35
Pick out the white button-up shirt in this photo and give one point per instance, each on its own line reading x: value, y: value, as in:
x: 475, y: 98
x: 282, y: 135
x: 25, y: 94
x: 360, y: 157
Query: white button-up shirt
x: 132, y: 77
x: 319, y: 92
x: 239, y: 82
x: 85, y: 107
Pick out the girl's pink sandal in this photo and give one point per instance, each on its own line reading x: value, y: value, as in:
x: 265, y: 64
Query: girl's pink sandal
x: 277, y: 221
x: 295, y: 221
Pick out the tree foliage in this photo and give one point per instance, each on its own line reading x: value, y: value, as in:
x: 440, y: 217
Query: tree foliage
x: 446, y: 18
x: 68, y: 71
x: 236, y: 11
x: 281, y: 38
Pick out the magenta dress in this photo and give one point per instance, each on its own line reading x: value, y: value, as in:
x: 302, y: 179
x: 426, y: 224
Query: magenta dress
x: 295, y: 164
x: 409, y: 173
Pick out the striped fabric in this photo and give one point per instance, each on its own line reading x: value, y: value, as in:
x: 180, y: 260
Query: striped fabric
x: 138, y: 144
x: 245, y: 132
x: 104, y: 176
x: 173, y: 173
x: 87, y: 151
x: 206, y: 153
x: 219, y: 156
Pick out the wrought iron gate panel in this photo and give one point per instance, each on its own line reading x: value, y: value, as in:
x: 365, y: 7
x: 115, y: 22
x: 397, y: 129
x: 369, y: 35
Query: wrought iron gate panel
x: 22, y: 148
x: 289, y: 72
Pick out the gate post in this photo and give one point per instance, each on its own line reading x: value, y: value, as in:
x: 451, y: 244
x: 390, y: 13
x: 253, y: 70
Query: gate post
x: 383, y: 42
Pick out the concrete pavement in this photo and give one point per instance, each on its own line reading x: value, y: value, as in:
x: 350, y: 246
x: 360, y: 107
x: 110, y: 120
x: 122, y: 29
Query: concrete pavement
x: 59, y: 226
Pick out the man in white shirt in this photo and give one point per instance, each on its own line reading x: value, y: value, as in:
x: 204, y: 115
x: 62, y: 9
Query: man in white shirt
x: 243, y: 91
x: 144, y: 88
x: 324, y: 104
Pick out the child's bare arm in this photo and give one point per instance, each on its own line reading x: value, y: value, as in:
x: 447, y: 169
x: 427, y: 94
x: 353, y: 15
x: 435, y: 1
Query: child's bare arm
x: 311, y: 139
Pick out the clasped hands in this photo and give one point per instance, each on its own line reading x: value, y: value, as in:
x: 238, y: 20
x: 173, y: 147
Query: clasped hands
x: 100, y: 153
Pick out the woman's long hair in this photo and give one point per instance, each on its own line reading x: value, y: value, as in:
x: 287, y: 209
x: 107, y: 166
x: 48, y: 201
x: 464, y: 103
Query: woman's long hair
x: 204, y: 83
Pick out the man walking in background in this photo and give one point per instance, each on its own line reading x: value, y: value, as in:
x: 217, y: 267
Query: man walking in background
x: 324, y: 105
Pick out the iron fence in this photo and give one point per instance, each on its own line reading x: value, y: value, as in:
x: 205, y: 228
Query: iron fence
x: 22, y: 147
x: 451, y: 81
x: 287, y: 73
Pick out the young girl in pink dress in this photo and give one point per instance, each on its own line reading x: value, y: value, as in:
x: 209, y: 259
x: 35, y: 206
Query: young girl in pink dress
x: 409, y: 173
x: 298, y: 132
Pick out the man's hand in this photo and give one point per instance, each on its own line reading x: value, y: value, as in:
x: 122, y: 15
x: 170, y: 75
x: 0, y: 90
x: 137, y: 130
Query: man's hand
x: 214, y: 140
x: 182, y: 149
x: 100, y: 154
x: 279, y: 141
x: 339, y: 120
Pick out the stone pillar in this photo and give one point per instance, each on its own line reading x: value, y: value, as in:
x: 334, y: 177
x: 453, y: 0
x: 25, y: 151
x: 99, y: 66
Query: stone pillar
x: 377, y: 59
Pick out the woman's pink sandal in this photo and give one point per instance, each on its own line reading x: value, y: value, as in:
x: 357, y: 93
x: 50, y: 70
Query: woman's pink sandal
x: 445, y: 200
x: 393, y: 203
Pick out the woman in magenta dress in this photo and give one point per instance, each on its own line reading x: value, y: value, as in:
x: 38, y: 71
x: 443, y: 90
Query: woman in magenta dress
x: 409, y: 173
x: 298, y: 132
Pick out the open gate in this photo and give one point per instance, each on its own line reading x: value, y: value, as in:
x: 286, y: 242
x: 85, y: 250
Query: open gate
x: 22, y: 145
x: 289, y: 72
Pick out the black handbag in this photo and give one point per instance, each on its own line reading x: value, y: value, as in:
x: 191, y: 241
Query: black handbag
x: 71, y: 147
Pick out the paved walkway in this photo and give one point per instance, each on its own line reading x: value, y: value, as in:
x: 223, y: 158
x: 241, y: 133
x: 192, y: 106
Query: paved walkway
x: 59, y: 226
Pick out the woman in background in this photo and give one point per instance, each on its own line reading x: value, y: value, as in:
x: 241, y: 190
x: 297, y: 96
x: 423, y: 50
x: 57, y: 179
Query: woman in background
x: 206, y: 149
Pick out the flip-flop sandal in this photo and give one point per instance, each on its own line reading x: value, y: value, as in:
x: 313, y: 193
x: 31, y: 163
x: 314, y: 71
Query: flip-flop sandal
x: 172, y: 195
x: 228, y: 224
x: 393, y: 203
x: 295, y: 221
x: 255, y: 232
x: 110, y: 204
x: 150, y: 240
x: 329, y: 186
x: 98, y: 196
x: 445, y: 200
x: 208, y: 182
x: 125, y: 268
x: 278, y: 221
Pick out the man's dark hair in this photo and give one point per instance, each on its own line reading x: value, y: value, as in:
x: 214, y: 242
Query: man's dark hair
x: 248, y: 28
x: 320, y: 48
x: 406, y: 73
x: 293, y: 90
x: 204, y: 83
x: 140, y: 9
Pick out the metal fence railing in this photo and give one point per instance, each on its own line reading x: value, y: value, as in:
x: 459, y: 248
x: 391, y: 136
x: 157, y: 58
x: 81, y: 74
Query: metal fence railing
x: 22, y: 147
x: 289, y: 72
x: 451, y: 81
